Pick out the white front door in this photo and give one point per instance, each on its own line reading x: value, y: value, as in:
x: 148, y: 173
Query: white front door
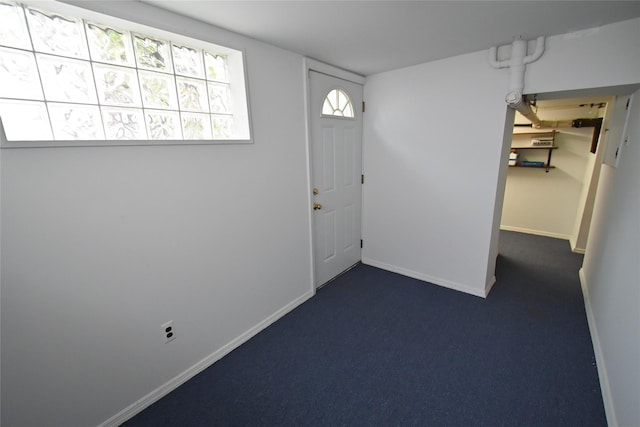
x: 336, y: 150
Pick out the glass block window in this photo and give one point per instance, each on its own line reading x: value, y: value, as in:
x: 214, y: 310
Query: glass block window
x: 64, y: 78
x: 337, y: 103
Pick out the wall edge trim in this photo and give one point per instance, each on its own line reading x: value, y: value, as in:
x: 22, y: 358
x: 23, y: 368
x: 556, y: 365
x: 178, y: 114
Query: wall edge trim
x: 426, y: 278
x: 605, y: 388
x: 536, y: 232
x: 325, y: 68
x: 166, y: 388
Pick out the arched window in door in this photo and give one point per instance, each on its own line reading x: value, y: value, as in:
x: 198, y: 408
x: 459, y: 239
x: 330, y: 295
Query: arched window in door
x: 337, y: 104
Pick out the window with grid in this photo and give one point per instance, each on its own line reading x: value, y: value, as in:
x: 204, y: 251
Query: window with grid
x: 65, y: 79
x: 337, y: 104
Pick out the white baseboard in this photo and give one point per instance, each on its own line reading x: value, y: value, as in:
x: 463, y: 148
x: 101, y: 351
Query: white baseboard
x: 426, y: 278
x: 597, y: 349
x: 536, y: 232
x: 180, y: 379
x: 574, y: 246
x: 489, y: 286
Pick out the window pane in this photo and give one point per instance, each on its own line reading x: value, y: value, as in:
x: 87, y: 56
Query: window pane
x: 163, y: 124
x: 192, y: 95
x: 219, y: 98
x: 342, y: 100
x: 117, y: 85
x: 216, y: 67
x: 25, y: 120
x: 123, y: 123
x: 188, y: 61
x: 152, y: 54
x: 348, y: 111
x: 52, y: 33
x: 66, y: 79
x: 72, y: 121
x: 338, y: 104
x: 13, y: 27
x: 19, y: 75
x: 327, y: 108
x: 222, y: 127
x: 108, y: 44
x: 158, y: 90
x: 196, y: 126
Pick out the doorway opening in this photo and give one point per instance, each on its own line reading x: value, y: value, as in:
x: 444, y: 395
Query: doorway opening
x: 550, y: 177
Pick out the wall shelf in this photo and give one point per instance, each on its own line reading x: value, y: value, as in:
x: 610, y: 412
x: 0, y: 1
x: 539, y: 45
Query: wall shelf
x: 532, y: 136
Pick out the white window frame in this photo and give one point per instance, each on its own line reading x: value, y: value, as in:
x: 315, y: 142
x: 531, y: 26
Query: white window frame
x: 242, y: 132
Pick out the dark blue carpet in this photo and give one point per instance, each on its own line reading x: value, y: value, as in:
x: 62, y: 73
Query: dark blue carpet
x: 374, y: 348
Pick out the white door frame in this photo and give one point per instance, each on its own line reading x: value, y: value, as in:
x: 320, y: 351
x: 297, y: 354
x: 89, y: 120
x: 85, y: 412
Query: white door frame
x: 320, y: 67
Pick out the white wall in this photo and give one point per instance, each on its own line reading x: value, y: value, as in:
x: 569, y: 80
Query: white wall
x: 610, y: 278
x: 547, y: 203
x: 102, y: 245
x: 434, y: 161
x: 432, y: 145
x: 594, y: 58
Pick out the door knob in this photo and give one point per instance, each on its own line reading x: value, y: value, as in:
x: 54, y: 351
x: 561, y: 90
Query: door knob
x: 317, y: 206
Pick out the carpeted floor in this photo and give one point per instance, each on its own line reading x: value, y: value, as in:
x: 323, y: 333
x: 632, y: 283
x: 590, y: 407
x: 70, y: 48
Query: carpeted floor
x: 374, y: 348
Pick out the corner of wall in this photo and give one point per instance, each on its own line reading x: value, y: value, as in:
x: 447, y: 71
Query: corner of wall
x: 574, y: 246
x: 490, y: 283
x: 166, y: 388
x: 428, y: 278
x: 499, y: 200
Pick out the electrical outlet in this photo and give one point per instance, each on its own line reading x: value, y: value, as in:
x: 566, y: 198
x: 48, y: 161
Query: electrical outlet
x: 168, y: 331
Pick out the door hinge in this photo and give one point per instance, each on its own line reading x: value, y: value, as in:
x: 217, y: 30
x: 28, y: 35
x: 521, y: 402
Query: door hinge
x: 363, y: 106
x: 361, y: 244
x: 626, y: 108
x: 361, y: 179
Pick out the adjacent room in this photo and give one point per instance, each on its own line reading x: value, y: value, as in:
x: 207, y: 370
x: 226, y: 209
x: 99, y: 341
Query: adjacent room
x: 552, y: 179
x: 178, y: 176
